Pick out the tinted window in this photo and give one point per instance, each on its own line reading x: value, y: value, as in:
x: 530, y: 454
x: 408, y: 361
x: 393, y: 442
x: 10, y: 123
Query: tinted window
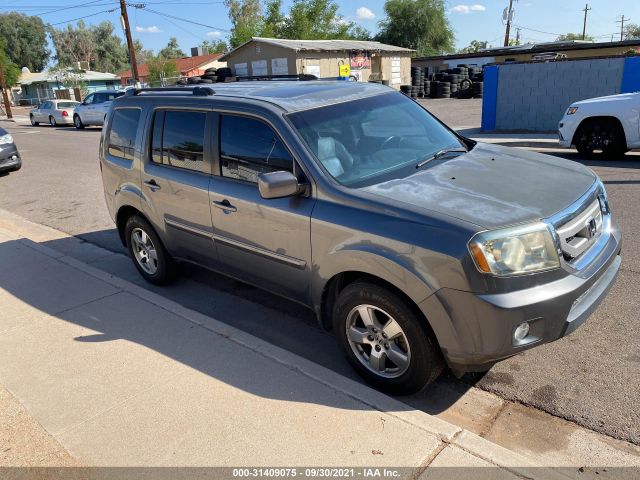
x: 178, y: 139
x: 46, y: 105
x: 249, y: 147
x: 99, y: 98
x: 122, y: 137
x: 89, y: 99
x: 67, y: 104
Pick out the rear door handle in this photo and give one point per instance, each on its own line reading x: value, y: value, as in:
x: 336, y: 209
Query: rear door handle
x: 225, y: 205
x: 153, y: 186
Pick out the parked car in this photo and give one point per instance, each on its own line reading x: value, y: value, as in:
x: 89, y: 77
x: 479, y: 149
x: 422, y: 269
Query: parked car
x: 608, y: 124
x: 418, y: 247
x: 54, y: 112
x: 94, y: 108
x: 9, y: 157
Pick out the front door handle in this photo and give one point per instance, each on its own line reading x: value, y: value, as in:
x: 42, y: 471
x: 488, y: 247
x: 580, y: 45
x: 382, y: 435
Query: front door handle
x: 225, y: 205
x: 153, y: 186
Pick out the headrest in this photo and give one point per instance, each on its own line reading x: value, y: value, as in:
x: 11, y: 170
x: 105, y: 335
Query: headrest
x: 326, y: 148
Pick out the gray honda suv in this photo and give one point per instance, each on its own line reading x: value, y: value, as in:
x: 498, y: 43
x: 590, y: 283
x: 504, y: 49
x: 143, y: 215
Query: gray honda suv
x: 420, y: 248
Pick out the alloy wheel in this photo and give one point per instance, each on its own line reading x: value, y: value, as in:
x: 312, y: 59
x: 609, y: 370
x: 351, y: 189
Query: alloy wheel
x: 378, y: 341
x: 144, y: 250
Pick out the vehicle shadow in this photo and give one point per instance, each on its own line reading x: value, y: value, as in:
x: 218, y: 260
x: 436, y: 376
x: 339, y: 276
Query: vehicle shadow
x: 271, y: 318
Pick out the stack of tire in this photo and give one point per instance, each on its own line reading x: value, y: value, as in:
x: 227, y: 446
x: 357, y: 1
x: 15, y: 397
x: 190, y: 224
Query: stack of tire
x: 224, y: 74
x: 443, y: 89
x: 477, y: 77
x: 417, y: 82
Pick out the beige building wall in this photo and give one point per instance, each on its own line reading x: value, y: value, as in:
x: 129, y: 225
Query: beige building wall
x: 325, y: 63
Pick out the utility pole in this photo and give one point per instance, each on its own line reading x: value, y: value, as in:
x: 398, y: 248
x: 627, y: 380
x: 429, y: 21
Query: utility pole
x: 584, y: 25
x: 506, y: 33
x: 518, y: 35
x: 5, y: 95
x: 621, y: 22
x: 132, y: 51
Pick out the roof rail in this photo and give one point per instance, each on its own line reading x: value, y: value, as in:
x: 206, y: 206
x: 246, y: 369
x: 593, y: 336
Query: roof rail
x: 299, y: 76
x: 195, y: 90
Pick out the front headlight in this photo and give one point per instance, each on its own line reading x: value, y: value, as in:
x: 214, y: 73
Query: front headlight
x: 4, y: 139
x: 514, y: 251
x: 572, y: 110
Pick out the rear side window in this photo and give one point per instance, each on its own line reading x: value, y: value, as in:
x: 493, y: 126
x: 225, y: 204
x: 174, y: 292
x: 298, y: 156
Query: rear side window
x: 178, y: 139
x: 249, y: 147
x: 122, y: 137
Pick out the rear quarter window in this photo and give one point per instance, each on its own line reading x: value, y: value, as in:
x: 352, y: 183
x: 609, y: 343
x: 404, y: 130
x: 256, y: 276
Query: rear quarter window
x: 122, y: 136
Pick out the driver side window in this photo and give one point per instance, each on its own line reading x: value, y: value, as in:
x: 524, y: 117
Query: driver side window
x: 89, y: 99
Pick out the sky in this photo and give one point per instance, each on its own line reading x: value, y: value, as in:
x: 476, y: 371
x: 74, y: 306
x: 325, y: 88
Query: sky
x: 539, y: 20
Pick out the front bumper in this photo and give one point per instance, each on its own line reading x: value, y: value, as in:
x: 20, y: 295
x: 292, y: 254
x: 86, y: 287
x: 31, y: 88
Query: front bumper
x: 566, y: 131
x: 482, y: 326
x: 9, y: 158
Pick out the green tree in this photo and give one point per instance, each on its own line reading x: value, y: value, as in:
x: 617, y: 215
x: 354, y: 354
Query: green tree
x: 97, y: 45
x: 215, y: 46
x: 246, y: 20
x: 568, y: 37
x: 161, y: 67
x: 142, y: 55
x: 172, y: 50
x: 318, y: 20
x: 10, y: 69
x: 474, y: 46
x: 418, y: 24
x: 26, y: 40
x: 632, y: 31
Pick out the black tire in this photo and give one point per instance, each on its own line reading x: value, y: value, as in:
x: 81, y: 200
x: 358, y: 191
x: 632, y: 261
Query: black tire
x: 77, y: 122
x: 33, y: 121
x: 425, y: 362
x: 600, y: 134
x: 166, y: 268
x: 210, y: 71
x: 52, y: 121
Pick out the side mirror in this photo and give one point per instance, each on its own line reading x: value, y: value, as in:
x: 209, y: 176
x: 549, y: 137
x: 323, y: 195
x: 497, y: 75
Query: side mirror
x: 278, y: 185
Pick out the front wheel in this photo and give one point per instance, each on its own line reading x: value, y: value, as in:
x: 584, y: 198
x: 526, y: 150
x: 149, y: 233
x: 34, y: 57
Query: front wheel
x: 33, y: 121
x: 385, y: 340
x: 77, y: 122
x: 147, y: 252
x: 601, y: 134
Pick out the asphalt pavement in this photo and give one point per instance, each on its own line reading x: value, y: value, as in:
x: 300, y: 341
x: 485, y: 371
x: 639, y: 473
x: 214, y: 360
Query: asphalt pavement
x: 590, y: 377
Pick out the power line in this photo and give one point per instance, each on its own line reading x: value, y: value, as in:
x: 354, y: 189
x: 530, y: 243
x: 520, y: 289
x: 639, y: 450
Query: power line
x: 86, y: 16
x: 141, y: 6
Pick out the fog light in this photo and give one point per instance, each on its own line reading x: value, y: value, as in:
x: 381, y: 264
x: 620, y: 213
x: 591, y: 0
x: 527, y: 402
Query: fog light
x: 521, y: 332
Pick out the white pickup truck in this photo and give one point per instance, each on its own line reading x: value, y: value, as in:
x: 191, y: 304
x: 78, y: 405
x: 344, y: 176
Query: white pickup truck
x: 609, y: 124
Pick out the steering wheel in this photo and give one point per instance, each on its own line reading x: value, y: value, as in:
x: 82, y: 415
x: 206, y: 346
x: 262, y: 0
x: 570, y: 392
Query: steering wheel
x: 389, y: 140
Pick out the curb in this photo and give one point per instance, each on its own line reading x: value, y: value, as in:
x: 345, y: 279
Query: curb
x: 14, y: 225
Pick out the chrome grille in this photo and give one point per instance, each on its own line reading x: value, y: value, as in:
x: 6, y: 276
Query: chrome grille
x: 581, y: 232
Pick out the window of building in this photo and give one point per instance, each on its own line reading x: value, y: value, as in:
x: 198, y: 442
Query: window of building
x: 244, y: 159
x: 178, y: 139
x: 122, y: 137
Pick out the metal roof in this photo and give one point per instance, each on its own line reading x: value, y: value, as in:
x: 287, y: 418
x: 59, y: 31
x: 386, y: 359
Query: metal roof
x: 323, y: 45
x: 560, y: 46
x: 48, y: 76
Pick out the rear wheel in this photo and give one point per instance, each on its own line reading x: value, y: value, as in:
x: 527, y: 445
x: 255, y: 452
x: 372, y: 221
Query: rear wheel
x: 52, y: 121
x: 147, y: 252
x: 77, y: 122
x: 604, y: 135
x: 384, y: 340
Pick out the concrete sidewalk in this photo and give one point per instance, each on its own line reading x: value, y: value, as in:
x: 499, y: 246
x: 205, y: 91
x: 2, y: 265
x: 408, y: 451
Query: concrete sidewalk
x: 118, y: 376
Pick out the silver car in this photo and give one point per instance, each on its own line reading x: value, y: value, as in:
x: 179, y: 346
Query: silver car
x: 418, y: 247
x: 54, y: 112
x: 94, y: 108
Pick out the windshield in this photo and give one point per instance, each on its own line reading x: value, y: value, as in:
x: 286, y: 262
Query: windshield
x: 376, y: 139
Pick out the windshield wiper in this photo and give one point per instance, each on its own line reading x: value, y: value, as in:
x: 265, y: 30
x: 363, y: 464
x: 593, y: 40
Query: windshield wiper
x: 439, y: 154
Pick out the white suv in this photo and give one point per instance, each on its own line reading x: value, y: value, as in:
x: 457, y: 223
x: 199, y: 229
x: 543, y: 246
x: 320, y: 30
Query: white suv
x: 609, y: 124
x: 94, y: 108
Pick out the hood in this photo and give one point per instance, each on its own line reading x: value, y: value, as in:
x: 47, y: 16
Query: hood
x: 609, y: 98
x: 492, y: 186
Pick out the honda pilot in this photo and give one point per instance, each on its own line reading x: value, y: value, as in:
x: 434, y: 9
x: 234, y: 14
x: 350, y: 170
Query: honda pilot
x: 418, y: 247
